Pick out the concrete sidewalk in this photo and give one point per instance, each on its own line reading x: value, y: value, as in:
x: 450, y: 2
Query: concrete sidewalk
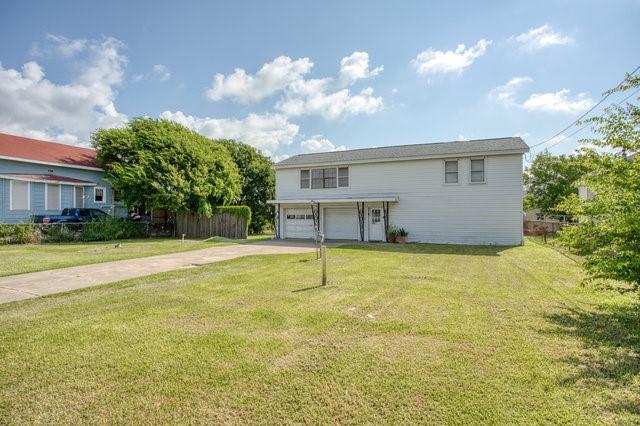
x: 34, y: 284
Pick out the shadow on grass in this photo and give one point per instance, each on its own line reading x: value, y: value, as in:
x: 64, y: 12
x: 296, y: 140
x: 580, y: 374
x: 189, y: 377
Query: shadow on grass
x: 610, y: 359
x: 308, y: 288
x: 419, y: 248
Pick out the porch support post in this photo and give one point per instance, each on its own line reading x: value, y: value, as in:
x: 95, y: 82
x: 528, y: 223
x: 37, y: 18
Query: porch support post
x: 385, y: 212
x: 315, y: 211
x: 361, y: 219
x: 276, y: 222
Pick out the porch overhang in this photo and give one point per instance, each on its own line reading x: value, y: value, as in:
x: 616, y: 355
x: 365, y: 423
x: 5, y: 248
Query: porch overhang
x: 42, y: 178
x: 381, y: 198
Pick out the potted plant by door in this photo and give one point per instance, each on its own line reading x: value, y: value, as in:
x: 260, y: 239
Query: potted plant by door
x: 402, y: 235
x: 392, y: 234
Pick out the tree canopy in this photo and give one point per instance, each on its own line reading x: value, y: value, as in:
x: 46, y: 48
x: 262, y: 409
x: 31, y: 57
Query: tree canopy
x: 609, y: 231
x: 161, y: 164
x: 257, y: 182
x: 550, y: 179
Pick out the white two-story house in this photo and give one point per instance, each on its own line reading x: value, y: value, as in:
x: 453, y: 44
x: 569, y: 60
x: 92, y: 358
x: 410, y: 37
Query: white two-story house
x: 464, y: 192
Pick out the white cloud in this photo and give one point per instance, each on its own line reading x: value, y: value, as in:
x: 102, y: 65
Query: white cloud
x: 319, y: 144
x: 33, y: 106
x: 452, y: 61
x: 271, y: 78
x: 162, y: 72
x: 314, y: 97
x: 505, y: 94
x: 559, y: 101
x: 355, y: 67
x: 462, y: 137
x: 541, y: 37
x: 65, y: 46
x: 267, y: 132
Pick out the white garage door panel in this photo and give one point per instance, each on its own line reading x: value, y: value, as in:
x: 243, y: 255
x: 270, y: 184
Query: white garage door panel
x: 341, y: 224
x: 298, y: 223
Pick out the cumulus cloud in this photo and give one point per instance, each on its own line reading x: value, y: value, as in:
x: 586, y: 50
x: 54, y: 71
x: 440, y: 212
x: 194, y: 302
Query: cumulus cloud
x: 559, y: 101
x: 315, y: 97
x: 267, y: 132
x: 541, y: 37
x: 432, y: 61
x: 326, y: 97
x: 355, y: 67
x: 33, y: 106
x: 319, y: 144
x: 506, y: 93
x: 271, y: 78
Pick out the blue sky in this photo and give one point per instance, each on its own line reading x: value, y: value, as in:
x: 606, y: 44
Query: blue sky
x: 334, y: 75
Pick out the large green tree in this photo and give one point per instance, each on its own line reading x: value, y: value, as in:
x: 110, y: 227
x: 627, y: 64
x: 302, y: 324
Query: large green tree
x: 161, y: 164
x: 608, y: 234
x: 258, y: 182
x: 550, y: 179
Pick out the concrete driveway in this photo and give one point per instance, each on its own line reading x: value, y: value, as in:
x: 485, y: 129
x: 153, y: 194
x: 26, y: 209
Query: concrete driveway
x: 34, y: 284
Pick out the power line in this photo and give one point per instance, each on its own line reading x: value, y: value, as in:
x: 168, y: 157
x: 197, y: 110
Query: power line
x: 587, y: 125
x: 588, y: 111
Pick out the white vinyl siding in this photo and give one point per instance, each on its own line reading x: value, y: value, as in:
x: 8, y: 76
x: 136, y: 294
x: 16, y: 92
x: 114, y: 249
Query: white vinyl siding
x: 52, y: 197
x: 19, y: 195
x: 430, y: 210
x: 477, y: 170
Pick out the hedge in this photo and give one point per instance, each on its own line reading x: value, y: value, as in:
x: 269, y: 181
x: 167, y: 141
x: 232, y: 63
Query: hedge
x: 104, y: 230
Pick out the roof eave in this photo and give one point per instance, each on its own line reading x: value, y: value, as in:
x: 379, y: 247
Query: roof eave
x: 49, y: 163
x: 413, y: 158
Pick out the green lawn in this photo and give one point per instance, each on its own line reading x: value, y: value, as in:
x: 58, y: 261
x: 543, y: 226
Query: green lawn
x: 402, y: 334
x: 18, y: 259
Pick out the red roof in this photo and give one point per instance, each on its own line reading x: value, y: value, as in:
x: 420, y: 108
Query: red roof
x: 46, y: 152
x: 45, y: 178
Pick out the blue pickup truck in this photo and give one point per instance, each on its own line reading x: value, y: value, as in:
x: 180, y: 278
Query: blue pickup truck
x: 71, y: 215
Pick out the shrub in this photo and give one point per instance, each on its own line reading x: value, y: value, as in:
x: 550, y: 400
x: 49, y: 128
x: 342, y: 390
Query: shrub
x: 22, y: 233
x: 112, y: 229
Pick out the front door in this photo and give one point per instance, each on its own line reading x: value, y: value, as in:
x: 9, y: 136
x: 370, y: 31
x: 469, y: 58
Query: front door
x: 376, y: 226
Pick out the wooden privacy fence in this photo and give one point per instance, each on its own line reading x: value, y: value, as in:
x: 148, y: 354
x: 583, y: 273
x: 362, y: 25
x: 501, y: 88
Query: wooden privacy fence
x: 219, y: 225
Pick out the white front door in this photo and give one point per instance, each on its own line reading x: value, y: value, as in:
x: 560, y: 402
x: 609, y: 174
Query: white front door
x: 376, y: 225
x: 298, y: 223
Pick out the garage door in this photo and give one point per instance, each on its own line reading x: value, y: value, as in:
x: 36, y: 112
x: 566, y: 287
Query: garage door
x: 298, y: 223
x: 341, y: 224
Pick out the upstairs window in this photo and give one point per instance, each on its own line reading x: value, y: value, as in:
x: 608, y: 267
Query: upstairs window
x: 317, y: 178
x: 305, y: 179
x: 343, y: 177
x: 451, y: 171
x: 477, y: 170
x: 330, y: 177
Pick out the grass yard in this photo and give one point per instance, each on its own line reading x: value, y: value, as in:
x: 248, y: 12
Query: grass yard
x: 19, y: 259
x: 402, y: 334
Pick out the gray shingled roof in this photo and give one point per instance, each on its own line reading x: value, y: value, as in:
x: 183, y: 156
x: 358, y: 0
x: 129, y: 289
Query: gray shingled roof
x: 400, y: 152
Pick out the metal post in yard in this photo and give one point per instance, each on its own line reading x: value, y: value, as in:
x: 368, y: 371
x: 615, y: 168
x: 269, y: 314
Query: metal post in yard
x: 323, y: 253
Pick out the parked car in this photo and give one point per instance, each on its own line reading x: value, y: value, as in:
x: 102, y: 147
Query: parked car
x: 72, y: 215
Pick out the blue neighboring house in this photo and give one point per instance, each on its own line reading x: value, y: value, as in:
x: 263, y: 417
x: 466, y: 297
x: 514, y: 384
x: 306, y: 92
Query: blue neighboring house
x: 38, y: 177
